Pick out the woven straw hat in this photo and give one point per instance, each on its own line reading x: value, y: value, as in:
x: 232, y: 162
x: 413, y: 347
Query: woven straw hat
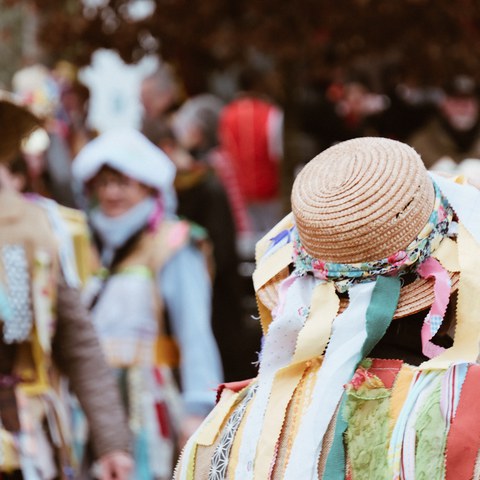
x: 16, y: 121
x: 363, y: 200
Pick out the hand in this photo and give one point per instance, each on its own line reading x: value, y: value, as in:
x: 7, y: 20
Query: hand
x: 115, y: 465
x: 189, y: 425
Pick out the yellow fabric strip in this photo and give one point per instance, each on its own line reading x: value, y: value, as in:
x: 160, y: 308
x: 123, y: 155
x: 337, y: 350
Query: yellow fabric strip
x: 286, y: 381
x: 41, y: 383
x: 467, y: 332
x: 447, y: 255
x: 191, y: 463
x: 270, y: 266
x: 265, y: 316
x: 212, y: 427
x: 311, y: 343
x: 399, y: 393
x: 275, y: 264
x: 262, y: 245
x: 313, y: 338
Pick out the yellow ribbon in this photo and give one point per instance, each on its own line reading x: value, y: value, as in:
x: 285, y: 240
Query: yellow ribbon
x: 262, y: 245
x: 447, y: 255
x: 399, y: 394
x: 212, y: 427
x: 311, y: 343
x: 467, y: 332
x: 272, y: 265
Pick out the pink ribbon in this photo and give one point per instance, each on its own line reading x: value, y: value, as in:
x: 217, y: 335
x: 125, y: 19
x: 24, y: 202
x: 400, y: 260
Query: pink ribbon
x: 431, y: 268
x: 157, y: 215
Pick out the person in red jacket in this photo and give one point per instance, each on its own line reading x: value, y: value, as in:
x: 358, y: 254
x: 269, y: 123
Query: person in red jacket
x: 250, y: 132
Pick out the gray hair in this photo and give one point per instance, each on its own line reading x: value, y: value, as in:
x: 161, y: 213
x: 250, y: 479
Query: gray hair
x: 163, y: 79
x: 202, y: 111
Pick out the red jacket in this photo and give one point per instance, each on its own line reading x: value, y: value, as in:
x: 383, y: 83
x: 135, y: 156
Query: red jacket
x: 246, y: 135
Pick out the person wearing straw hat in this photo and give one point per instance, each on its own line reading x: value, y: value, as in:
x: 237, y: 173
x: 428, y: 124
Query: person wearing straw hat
x: 359, y: 291
x: 45, y: 330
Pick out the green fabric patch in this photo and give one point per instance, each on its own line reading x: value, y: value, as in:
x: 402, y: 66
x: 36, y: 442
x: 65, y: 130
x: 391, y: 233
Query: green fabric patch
x: 366, y: 411
x: 431, y: 439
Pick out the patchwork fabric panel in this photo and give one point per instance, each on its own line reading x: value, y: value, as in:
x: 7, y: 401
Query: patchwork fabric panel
x: 401, y: 423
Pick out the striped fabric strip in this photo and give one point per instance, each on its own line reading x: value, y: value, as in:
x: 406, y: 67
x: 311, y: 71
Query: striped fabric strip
x: 423, y: 382
x: 221, y: 456
x: 452, y: 383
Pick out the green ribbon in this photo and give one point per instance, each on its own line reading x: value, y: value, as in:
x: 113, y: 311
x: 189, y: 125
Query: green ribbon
x: 379, y: 315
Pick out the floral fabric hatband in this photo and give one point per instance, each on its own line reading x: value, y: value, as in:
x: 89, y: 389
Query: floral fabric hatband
x: 346, y: 274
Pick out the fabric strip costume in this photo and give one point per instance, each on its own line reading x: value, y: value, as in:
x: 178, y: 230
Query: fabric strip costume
x: 373, y: 238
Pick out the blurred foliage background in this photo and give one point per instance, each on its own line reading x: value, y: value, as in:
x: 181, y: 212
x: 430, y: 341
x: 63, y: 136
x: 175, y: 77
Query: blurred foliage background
x: 425, y: 39
x: 297, y: 45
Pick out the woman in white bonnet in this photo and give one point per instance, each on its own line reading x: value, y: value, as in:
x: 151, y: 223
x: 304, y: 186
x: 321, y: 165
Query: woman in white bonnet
x: 153, y: 280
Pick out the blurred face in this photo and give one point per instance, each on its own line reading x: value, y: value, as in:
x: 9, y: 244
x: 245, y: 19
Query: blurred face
x: 117, y: 193
x: 190, y: 137
x: 461, y: 112
x: 155, y: 101
x: 177, y: 154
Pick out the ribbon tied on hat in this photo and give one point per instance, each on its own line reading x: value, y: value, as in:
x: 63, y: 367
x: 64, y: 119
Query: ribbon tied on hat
x: 344, y: 275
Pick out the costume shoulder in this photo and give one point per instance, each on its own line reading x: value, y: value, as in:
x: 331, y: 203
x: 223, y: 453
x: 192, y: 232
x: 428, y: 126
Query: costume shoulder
x: 70, y: 230
x: 23, y: 222
x: 273, y: 255
x: 173, y: 235
x: 77, y: 226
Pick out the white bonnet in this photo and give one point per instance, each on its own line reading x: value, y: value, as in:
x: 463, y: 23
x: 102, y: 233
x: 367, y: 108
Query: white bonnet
x: 130, y: 153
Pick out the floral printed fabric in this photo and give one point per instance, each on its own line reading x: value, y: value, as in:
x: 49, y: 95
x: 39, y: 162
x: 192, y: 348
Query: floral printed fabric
x: 344, y: 275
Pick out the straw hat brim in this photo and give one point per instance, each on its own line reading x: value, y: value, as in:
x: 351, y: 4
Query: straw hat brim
x: 419, y: 295
x: 414, y: 297
x: 16, y: 121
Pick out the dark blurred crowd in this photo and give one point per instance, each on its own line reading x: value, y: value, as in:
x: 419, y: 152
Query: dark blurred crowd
x: 224, y: 157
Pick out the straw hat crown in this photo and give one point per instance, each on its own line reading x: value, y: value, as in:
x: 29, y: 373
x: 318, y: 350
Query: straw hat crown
x: 362, y: 200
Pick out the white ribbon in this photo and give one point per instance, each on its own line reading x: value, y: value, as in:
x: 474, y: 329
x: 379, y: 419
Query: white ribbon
x: 277, y: 352
x: 465, y: 201
x: 341, y: 357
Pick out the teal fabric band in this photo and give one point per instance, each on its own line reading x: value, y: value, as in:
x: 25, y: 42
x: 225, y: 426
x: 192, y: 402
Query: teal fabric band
x: 379, y: 316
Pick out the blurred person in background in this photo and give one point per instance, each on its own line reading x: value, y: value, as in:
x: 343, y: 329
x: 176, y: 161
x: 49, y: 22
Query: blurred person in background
x: 454, y: 131
x: 73, y: 107
x: 50, y: 167
x: 202, y: 198
x: 409, y: 104
x: 338, y: 105
x: 250, y: 134
x: 195, y: 125
x: 153, y: 280
x: 160, y: 95
x: 46, y: 331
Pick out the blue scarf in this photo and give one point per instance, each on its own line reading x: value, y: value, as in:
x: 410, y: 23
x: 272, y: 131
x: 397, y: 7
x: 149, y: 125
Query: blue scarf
x: 115, y: 231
